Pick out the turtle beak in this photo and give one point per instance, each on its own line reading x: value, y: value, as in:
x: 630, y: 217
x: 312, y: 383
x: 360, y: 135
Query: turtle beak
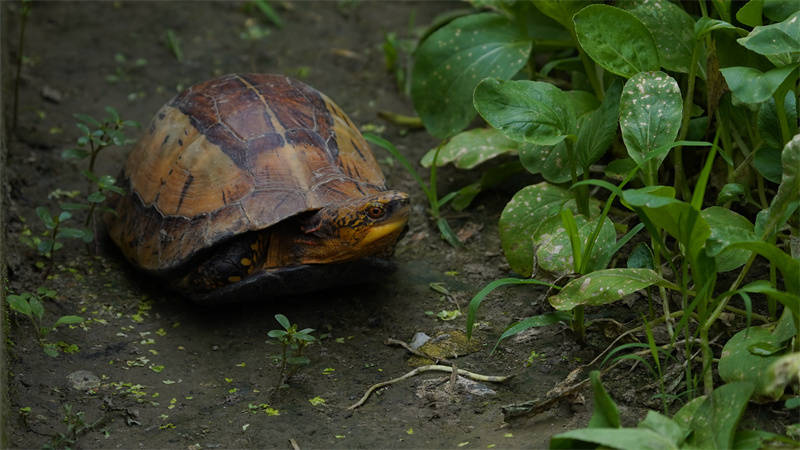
x: 394, y: 223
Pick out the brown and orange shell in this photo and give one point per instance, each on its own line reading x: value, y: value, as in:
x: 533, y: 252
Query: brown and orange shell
x: 235, y: 154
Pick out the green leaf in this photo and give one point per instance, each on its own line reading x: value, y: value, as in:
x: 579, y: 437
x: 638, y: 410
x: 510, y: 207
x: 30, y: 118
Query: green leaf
x: 75, y: 153
x: 471, y: 148
x: 552, y: 161
x: 769, y: 126
x: 561, y: 10
x: 283, y: 321
x: 268, y: 12
x: 19, y: 303
x: 750, y: 85
x: 641, y: 257
x: 63, y: 216
x: 650, y: 113
x: 715, y: 420
x: 676, y: 217
x: 605, y: 413
x: 706, y: 25
x: 276, y: 333
x: 731, y: 192
x: 555, y: 251
x: 672, y: 29
x: 789, y: 267
x: 665, y: 427
x: 37, y: 309
x: 47, y: 219
x: 605, y: 286
x: 96, y: 197
x: 779, y: 41
x: 615, y: 438
x: 50, y: 350
x: 83, y: 234
x: 526, y: 111
x: 597, y: 130
x: 738, y: 363
x: 454, y: 59
x: 789, y: 189
x: 726, y: 227
x: 67, y: 320
x: 481, y: 295
x: 616, y: 40
x: 750, y: 13
x: 541, y: 320
x: 114, y: 115
x: 87, y: 119
x: 522, y: 216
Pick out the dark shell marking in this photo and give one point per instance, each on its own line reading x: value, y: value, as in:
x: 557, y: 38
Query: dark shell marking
x: 235, y: 154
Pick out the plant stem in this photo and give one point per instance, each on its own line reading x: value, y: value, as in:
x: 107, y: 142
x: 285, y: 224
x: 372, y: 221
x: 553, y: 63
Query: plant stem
x: 578, y: 324
x: 688, y: 101
x: 588, y: 67
x: 23, y: 19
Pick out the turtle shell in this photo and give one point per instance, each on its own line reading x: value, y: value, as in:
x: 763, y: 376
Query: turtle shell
x: 235, y: 154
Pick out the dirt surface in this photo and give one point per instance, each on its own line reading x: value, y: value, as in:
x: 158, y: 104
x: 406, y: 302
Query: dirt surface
x: 159, y: 371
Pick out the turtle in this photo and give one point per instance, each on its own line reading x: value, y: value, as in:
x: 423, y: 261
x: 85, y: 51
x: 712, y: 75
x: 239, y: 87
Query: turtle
x: 254, y: 184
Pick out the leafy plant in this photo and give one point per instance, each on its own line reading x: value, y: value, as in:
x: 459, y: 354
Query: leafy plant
x: 96, y: 136
x: 30, y: 305
x: 661, y: 110
x: 709, y: 421
x: 293, y: 343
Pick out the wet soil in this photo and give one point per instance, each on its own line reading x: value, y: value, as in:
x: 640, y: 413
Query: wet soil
x: 158, y: 371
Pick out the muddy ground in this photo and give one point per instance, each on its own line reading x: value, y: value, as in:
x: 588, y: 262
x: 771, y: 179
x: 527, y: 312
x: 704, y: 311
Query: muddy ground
x: 163, y: 372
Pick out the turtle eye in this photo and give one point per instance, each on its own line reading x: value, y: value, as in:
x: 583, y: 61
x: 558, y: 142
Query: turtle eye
x: 375, y: 211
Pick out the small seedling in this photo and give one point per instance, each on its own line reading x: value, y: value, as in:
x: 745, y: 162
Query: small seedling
x: 54, y: 232
x: 30, y: 305
x: 123, y: 67
x: 96, y: 136
x: 294, y: 340
x: 174, y: 45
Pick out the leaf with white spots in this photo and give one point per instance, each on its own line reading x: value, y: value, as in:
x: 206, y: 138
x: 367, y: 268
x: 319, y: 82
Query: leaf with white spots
x: 738, y: 363
x: 789, y: 189
x: 526, y: 111
x: 650, y: 112
x: 554, y: 252
x: 751, y: 85
x: 454, y: 59
x: 672, y: 29
x: 780, y: 42
x: 616, y: 40
x: 605, y: 286
x: 471, y: 148
x: 549, y: 160
x: 522, y: 216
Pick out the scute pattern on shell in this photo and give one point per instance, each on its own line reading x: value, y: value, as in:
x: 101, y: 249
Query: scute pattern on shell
x: 231, y: 155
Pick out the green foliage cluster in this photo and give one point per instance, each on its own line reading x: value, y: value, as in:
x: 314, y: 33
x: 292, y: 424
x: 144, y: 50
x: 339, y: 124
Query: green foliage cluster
x: 96, y: 135
x: 690, y: 118
x: 30, y: 305
x: 293, y: 343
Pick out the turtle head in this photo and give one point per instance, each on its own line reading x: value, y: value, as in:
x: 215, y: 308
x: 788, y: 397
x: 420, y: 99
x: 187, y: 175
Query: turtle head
x: 361, y: 227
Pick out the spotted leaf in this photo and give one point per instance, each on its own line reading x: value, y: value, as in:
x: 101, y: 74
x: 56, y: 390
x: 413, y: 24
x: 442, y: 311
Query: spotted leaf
x: 454, y: 59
